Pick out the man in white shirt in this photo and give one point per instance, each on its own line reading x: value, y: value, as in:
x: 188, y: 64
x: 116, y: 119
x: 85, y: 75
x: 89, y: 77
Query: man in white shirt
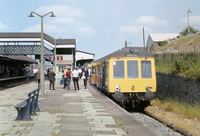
x: 35, y: 70
x: 79, y: 72
x: 75, y: 75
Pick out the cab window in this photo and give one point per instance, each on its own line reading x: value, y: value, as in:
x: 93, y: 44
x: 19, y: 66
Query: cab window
x: 93, y: 69
x: 146, y: 69
x: 132, y: 69
x: 118, y: 69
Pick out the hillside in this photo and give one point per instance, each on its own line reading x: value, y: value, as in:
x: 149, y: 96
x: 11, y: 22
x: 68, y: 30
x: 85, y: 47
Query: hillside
x: 186, y: 44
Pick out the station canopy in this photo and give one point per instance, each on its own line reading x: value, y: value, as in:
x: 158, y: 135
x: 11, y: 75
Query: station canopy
x: 19, y: 58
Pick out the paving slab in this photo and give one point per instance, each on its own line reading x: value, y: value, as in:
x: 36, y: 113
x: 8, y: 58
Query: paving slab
x: 86, y: 112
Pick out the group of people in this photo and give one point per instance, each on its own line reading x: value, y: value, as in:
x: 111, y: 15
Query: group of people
x: 51, y: 76
x: 76, y: 76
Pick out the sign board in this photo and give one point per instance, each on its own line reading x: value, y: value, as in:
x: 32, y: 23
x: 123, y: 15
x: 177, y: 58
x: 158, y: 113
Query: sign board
x: 53, y: 58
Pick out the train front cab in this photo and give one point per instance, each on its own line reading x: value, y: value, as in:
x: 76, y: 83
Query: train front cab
x: 132, y: 76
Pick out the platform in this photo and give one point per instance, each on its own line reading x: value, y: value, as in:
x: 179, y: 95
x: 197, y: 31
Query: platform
x: 86, y: 112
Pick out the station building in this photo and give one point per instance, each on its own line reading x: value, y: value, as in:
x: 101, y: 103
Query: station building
x: 63, y: 50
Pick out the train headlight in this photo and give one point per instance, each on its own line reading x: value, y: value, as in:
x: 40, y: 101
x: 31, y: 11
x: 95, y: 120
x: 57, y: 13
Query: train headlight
x: 117, y: 88
x: 148, y: 87
x: 133, y: 87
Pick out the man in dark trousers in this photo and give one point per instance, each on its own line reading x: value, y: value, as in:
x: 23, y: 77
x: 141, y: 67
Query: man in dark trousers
x: 75, y: 78
x: 86, y: 74
x: 51, y: 79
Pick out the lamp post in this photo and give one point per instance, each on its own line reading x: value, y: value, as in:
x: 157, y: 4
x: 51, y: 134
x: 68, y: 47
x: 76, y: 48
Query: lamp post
x: 42, y: 50
x: 189, y: 11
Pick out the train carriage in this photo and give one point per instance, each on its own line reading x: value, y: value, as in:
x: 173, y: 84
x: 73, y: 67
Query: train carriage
x: 128, y: 75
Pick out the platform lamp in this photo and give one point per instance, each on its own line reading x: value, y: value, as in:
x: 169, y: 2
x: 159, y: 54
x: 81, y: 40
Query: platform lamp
x: 42, y: 80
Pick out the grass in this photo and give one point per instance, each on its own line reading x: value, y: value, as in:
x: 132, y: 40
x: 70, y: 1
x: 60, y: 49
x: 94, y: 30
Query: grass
x: 167, y: 68
x: 186, y: 64
x: 175, y: 106
x: 183, y: 116
x: 120, y: 122
x: 187, y: 42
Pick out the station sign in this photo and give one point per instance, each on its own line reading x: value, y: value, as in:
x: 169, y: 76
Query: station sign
x: 53, y: 58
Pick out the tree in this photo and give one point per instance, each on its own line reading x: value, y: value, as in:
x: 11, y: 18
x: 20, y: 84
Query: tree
x: 185, y: 31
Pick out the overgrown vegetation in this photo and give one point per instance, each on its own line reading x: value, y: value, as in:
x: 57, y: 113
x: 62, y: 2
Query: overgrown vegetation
x: 185, y: 31
x: 187, y: 64
x: 162, y: 43
x: 180, y: 108
x: 182, y: 115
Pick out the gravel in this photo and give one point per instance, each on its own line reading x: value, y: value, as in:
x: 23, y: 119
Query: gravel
x: 158, y: 128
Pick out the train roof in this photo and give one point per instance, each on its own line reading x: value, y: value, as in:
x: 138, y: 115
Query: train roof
x: 127, y: 52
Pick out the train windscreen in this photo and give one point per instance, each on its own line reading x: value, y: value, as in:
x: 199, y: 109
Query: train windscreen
x: 118, y: 68
x: 132, y: 66
x: 146, y: 69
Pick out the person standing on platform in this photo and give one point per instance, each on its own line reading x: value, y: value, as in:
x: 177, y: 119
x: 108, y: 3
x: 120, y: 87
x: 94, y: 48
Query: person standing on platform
x: 86, y: 74
x: 35, y: 73
x: 65, y: 77
x: 38, y: 78
x: 68, y: 75
x: 79, y: 72
x: 75, y: 77
x: 89, y: 72
x: 28, y: 72
x: 51, y: 79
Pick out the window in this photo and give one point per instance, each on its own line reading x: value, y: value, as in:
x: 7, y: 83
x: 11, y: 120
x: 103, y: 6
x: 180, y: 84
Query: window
x: 98, y: 69
x: 61, y: 68
x: 93, y: 69
x: 146, y: 69
x: 118, y: 69
x: 132, y: 69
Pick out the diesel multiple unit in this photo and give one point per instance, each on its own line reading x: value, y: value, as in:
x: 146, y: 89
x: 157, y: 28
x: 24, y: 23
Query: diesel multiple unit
x: 128, y: 75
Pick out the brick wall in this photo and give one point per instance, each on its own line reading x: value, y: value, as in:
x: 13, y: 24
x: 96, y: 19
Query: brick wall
x: 179, y: 87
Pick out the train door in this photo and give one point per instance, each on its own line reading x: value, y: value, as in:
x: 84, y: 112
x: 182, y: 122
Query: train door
x: 104, y: 75
x: 93, y: 75
x: 98, y: 83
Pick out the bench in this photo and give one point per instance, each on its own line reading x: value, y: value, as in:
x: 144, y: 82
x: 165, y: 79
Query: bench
x: 28, y: 107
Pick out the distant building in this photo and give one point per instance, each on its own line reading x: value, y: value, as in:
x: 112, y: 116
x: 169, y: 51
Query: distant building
x: 154, y: 39
x: 83, y: 57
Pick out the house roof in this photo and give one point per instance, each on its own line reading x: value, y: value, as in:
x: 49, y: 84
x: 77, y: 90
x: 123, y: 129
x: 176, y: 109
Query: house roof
x: 85, y: 52
x: 163, y: 36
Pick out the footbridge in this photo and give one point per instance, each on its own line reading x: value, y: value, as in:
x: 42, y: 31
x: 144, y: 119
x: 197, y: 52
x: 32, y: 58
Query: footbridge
x: 30, y: 44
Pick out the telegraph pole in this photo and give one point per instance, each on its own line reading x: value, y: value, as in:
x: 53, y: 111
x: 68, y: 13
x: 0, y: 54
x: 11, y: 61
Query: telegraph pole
x: 144, y: 39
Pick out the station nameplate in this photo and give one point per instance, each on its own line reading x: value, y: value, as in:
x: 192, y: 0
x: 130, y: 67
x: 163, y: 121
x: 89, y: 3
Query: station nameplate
x: 131, y: 55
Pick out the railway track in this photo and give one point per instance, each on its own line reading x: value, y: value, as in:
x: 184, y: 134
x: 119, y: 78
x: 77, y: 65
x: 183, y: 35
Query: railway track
x: 168, y: 125
x: 155, y: 124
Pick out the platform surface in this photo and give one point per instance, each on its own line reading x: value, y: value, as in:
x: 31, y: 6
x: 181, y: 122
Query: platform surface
x: 84, y: 112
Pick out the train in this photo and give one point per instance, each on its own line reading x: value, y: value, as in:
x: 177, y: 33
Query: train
x: 127, y: 75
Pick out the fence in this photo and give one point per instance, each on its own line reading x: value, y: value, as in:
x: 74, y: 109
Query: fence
x: 168, y: 58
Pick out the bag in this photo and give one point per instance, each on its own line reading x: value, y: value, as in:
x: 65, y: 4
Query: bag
x: 83, y: 77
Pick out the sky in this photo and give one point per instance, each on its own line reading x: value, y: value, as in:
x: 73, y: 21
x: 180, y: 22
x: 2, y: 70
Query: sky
x: 100, y: 26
